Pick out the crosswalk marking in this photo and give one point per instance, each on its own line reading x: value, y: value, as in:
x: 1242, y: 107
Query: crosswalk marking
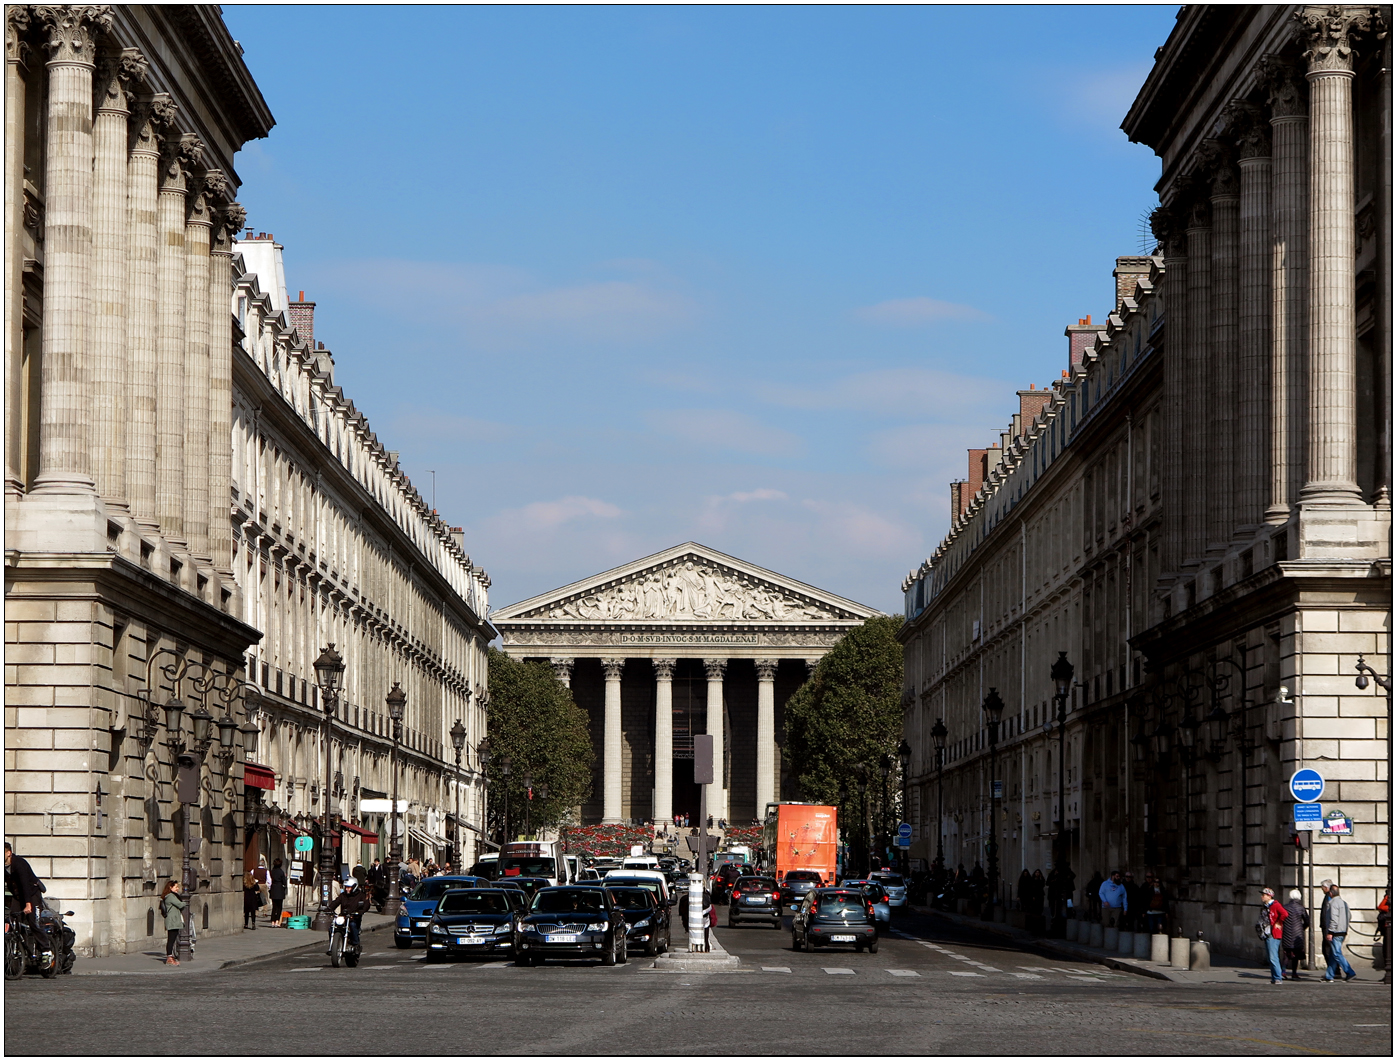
x: 903, y: 972
x: 1088, y: 979
x: 776, y: 968
x: 307, y: 969
x: 840, y: 972
x: 957, y: 973
x: 1028, y: 976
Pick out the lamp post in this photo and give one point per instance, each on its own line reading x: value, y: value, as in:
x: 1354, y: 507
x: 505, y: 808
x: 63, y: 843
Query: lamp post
x: 528, y: 802
x: 504, y: 773
x: 1383, y: 682
x: 397, y: 704
x: 543, y: 795
x: 458, y: 741
x: 938, y: 736
x: 885, y: 768
x: 1061, y: 675
x: 993, y: 708
x: 904, y: 760
x: 329, y: 670
x: 483, y: 756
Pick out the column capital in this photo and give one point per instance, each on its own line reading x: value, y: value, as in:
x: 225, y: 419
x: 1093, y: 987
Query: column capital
x: 562, y: 665
x: 1285, y: 87
x: 228, y: 221
x: 1213, y: 164
x: 664, y: 669
x: 1248, y: 130
x: 715, y: 669
x: 73, y: 30
x: 810, y: 665
x: 17, y: 49
x: 612, y: 669
x: 180, y: 156
x: 766, y: 669
x: 151, y: 119
x: 1329, y: 31
x: 116, y: 75
x: 1169, y: 230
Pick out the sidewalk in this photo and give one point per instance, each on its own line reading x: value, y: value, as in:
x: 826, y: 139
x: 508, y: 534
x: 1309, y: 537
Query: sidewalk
x: 223, y: 952
x: 1225, y: 968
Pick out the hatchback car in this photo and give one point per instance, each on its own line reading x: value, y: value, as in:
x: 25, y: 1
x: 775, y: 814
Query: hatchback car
x: 648, y: 921
x: 894, y: 885
x: 831, y: 916
x: 797, y: 884
x: 755, y: 899
x: 572, y: 922
x: 419, y: 905
x: 877, y: 895
x: 472, y: 921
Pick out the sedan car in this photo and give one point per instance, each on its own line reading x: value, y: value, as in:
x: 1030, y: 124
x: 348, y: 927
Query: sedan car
x: 797, y: 885
x: 877, y: 895
x: 572, y: 922
x: 755, y: 899
x: 472, y: 921
x: 831, y: 916
x: 648, y: 921
x: 894, y: 885
x: 419, y: 905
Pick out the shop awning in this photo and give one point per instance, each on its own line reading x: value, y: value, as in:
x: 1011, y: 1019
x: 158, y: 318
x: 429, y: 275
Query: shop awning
x: 425, y: 838
x: 368, y: 836
x: 255, y: 776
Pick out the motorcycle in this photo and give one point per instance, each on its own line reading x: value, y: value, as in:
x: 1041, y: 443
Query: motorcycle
x: 341, y: 947
x: 23, y: 953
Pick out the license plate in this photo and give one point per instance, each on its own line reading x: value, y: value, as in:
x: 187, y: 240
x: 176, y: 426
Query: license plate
x: 470, y: 941
x: 562, y: 938
x: 754, y: 899
x: 841, y: 939
x: 419, y: 924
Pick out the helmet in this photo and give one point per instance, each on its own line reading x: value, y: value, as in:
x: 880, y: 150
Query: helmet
x: 350, y: 883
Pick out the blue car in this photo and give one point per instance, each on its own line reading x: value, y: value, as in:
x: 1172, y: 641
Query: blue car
x: 419, y: 906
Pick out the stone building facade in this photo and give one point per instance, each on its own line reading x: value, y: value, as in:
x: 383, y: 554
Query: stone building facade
x: 686, y: 641
x: 1219, y: 464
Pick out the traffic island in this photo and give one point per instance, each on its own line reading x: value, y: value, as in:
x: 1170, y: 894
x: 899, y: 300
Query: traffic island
x: 715, y: 960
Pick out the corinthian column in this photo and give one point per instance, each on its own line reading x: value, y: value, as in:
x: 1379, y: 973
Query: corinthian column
x: 611, y: 742
x: 197, y: 226
x: 65, y: 457
x: 16, y: 60
x: 1197, y: 379
x: 664, y: 739
x: 717, y: 792
x: 562, y: 667
x: 109, y: 281
x: 1167, y: 229
x: 1254, y: 318
x: 178, y: 153
x: 766, y: 734
x: 1332, y: 457
x: 1222, y: 357
x: 228, y: 221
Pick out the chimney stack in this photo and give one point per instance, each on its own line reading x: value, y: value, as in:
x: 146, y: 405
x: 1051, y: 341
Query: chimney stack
x: 301, y: 314
x: 1031, y: 403
x: 1081, y: 337
x: 1129, y: 270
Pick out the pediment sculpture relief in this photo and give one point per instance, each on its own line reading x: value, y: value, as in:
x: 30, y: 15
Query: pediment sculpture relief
x: 691, y: 590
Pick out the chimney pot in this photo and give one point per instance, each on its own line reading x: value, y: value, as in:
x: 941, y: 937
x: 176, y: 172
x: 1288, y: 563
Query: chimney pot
x: 302, y: 297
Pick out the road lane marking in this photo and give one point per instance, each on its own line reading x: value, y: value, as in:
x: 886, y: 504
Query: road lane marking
x: 1028, y: 976
x: 1086, y: 979
x: 307, y: 969
x: 903, y: 972
x: 840, y: 972
x: 957, y: 973
x: 776, y: 968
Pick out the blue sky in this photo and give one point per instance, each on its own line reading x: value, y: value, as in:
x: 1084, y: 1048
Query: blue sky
x: 752, y: 276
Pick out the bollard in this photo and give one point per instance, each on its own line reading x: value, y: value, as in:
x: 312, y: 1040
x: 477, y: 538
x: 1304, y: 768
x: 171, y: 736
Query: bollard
x: 1127, y: 944
x: 1142, y: 946
x: 1178, y: 952
x: 1159, y: 948
x: 1095, y: 938
x: 1111, y: 937
x: 1199, y: 957
x: 1072, y: 925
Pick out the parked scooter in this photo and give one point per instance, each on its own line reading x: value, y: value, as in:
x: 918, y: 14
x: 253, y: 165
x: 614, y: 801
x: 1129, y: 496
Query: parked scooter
x: 341, y: 946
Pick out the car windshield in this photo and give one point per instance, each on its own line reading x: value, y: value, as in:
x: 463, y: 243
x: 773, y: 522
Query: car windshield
x: 569, y: 900
x: 433, y: 887
x: 755, y: 884
x: 843, y: 905
x: 632, y: 898
x: 651, y: 886
x: 802, y: 875
x: 529, y: 866
x: 475, y: 901
x: 889, y: 880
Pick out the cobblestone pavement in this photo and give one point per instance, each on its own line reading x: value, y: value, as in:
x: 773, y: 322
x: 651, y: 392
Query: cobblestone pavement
x: 933, y: 987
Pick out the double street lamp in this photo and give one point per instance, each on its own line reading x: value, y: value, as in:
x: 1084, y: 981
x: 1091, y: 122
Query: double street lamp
x: 1061, y: 675
x: 397, y: 704
x: 458, y: 741
x: 938, y: 736
x: 993, y: 708
x: 329, y: 670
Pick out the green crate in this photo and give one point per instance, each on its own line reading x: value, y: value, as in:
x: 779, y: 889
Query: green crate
x: 298, y: 922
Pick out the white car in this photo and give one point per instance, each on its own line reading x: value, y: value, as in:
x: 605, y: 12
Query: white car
x: 618, y: 875
x: 894, y: 885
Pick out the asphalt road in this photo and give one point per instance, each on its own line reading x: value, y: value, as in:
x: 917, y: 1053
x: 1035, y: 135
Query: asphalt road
x: 932, y: 988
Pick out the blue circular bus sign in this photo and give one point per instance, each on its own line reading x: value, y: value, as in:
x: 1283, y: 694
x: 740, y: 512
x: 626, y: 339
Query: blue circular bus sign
x: 1306, y: 785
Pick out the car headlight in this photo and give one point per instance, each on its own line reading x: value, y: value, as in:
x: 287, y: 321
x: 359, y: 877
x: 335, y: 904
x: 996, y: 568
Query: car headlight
x: 644, y: 922
x: 599, y: 926
x: 437, y: 930
x: 500, y: 930
x: 531, y: 930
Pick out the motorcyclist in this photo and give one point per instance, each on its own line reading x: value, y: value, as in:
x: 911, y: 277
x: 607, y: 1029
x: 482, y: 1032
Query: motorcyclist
x: 353, y: 901
x: 28, y: 896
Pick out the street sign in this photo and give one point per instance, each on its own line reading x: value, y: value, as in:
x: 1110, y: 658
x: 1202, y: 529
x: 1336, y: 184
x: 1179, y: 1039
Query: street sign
x: 304, y: 843
x: 703, y: 758
x: 996, y: 789
x: 1308, y: 816
x: 1336, y: 823
x: 902, y: 841
x: 1306, y: 785
x: 904, y: 829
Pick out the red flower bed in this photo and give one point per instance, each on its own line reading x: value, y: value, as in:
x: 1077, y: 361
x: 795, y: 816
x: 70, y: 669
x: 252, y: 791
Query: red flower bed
x: 751, y: 835
x: 606, y: 841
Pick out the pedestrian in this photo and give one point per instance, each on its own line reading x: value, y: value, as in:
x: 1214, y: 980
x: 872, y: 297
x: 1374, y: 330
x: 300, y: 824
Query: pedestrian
x: 1024, y: 890
x: 1133, y: 896
x: 1269, y: 926
x: 1334, y: 923
x: 1093, y: 895
x: 172, y: 910
x: 1155, y: 905
x: 1040, y: 889
x: 1385, y: 928
x: 1293, y: 932
x: 277, y: 890
x: 1111, y: 892
x: 252, y: 899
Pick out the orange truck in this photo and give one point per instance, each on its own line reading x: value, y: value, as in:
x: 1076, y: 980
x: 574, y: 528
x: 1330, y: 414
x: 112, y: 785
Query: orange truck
x: 802, y: 836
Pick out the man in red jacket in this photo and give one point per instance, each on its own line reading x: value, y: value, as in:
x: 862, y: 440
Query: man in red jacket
x: 1277, y: 915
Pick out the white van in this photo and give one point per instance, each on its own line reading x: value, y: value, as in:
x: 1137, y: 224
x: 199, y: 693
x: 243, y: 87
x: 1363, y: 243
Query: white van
x: 534, y: 858
x: 640, y: 862
x: 625, y: 874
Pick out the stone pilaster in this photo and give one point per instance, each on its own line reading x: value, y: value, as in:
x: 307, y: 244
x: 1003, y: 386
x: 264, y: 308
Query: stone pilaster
x: 16, y: 60
x: 1224, y: 197
x: 1290, y: 194
x: 228, y: 220
x: 664, y: 739
x: 1254, y: 315
x: 717, y: 792
x: 110, y: 135
x: 766, y: 734
x: 197, y: 227
x: 562, y: 667
x: 1168, y: 229
x: 1197, y: 379
x: 611, y: 742
x: 65, y: 458
x: 178, y: 153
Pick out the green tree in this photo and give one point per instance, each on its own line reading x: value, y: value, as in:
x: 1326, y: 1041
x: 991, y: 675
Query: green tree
x: 532, y: 720
x: 844, y: 721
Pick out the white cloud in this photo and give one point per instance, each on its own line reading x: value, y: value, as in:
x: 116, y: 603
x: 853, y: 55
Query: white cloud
x: 913, y: 392
x: 917, y: 312
x: 861, y: 530
x: 545, y: 515
x: 723, y: 429
x: 760, y: 494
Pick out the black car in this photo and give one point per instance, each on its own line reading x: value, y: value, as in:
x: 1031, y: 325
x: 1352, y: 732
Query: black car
x: 572, y: 922
x: 648, y: 920
x: 472, y: 921
x: 755, y: 899
x: 531, y: 885
x: 829, y: 916
x: 798, y: 884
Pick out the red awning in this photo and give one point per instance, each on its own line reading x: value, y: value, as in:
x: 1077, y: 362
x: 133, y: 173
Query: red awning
x: 366, y: 835
x: 255, y: 776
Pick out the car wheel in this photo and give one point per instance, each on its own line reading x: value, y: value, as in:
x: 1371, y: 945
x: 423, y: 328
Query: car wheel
x: 873, y: 946
x: 795, y: 942
x: 402, y: 944
x: 609, y: 958
x: 625, y: 949
x: 809, y: 946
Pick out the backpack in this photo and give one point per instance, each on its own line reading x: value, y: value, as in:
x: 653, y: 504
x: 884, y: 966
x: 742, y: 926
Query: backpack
x: 1263, y: 923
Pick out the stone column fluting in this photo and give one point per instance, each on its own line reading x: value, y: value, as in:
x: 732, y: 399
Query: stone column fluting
x: 766, y: 734
x: 664, y: 740
x: 65, y: 457
x: 562, y: 667
x: 228, y: 221
x: 16, y: 62
x: 151, y: 119
x: 1332, y: 452
x: 713, y: 726
x: 178, y: 155
x: 198, y: 225
x: 1253, y: 140
x: 110, y: 174
x: 611, y: 742
x: 1166, y: 225
x: 1197, y: 378
x: 1224, y: 198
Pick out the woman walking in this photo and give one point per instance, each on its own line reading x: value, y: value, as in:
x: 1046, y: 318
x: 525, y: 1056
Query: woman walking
x: 277, y: 890
x: 1293, y: 934
x: 172, y: 910
x: 252, y: 899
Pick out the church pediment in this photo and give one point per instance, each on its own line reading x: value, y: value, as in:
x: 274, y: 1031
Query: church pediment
x: 689, y: 584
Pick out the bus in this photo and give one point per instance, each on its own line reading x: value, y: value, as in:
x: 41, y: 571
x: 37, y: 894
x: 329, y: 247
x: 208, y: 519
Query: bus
x: 801, y: 836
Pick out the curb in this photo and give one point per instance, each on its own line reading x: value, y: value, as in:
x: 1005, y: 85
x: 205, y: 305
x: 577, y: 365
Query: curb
x: 716, y: 960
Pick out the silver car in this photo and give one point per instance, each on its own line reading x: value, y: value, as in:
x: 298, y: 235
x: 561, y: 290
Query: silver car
x: 877, y: 895
x: 894, y: 885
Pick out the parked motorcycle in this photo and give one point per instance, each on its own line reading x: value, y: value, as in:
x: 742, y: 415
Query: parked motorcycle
x: 341, y: 947
x: 23, y: 953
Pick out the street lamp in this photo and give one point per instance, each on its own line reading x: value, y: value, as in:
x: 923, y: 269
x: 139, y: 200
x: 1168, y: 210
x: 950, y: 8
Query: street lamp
x: 993, y: 708
x: 528, y: 802
x: 483, y: 755
x: 397, y: 704
x: 329, y: 669
x: 885, y: 768
x: 504, y: 773
x: 904, y: 759
x: 1061, y: 675
x: 938, y: 736
x: 458, y: 741
x: 1383, y: 682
